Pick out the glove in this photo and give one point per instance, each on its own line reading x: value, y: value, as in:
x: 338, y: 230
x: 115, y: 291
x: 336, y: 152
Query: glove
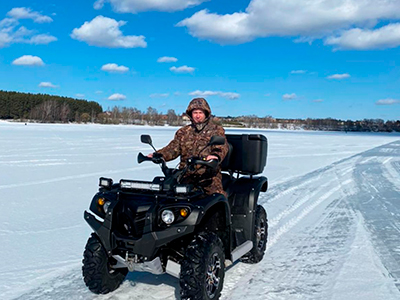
x: 157, y: 158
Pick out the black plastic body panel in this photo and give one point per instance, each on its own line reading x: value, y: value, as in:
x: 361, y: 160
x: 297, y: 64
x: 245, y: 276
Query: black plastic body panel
x: 243, y: 197
x: 152, y: 236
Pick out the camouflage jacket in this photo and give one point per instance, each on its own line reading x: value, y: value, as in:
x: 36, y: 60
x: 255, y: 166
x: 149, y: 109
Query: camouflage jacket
x: 189, y: 142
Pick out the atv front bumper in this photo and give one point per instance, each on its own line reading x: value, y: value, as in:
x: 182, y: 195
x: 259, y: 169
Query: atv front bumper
x: 145, y: 246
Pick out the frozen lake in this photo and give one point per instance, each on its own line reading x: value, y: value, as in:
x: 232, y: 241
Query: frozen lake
x: 333, y: 206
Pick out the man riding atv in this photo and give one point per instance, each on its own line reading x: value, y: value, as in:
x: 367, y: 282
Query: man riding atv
x: 190, y: 223
x: 192, y: 140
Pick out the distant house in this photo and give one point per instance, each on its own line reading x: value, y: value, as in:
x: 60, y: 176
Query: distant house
x: 185, y: 117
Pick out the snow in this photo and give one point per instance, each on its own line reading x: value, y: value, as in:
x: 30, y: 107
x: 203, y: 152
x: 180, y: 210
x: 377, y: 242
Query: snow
x: 333, y: 207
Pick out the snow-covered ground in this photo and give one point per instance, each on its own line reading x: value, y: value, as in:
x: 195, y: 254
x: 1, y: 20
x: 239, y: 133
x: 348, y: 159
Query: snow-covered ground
x: 333, y: 205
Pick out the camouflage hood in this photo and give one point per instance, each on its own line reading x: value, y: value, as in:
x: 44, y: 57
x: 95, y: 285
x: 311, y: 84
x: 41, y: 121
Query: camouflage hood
x: 199, y: 103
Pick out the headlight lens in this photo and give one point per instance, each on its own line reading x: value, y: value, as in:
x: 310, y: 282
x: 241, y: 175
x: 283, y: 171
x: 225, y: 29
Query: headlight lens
x: 106, y: 206
x: 167, y: 216
x: 140, y: 185
x: 105, y: 182
x: 183, y: 189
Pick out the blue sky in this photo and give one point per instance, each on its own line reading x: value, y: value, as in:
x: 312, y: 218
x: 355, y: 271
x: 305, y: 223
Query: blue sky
x: 287, y: 59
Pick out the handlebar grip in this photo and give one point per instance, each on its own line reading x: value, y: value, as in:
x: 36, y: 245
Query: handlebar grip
x: 141, y: 158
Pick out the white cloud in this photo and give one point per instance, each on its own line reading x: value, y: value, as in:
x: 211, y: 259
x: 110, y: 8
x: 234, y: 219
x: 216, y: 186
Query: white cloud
x: 27, y: 13
x: 167, y: 59
x: 117, y: 97
x: 80, y: 95
x: 156, y: 95
x: 388, y: 101
x: 42, y: 39
x: 228, y: 95
x: 99, y: 4
x: 5, y: 39
x: 22, y: 32
x: 339, y: 76
x: 47, y: 84
x: 114, y: 68
x: 298, y: 72
x: 182, y: 69
x: 289, y: 96
x: 223, y: 29
x: 10, y: 33
x: 134, y: 6
x: 105, y: 32
x: 305, y: 20
x: 8, y: 22
x: 363, y: 39
x: 318, y: 100
x: 28, y: 60
x: 199, y: 93
x: 99, y: 92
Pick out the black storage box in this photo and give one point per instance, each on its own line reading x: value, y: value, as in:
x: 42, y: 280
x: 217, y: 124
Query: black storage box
x: 248, y: 153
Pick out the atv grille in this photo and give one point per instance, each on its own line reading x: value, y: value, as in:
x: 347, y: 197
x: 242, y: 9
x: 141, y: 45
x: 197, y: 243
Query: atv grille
x: 130, y: 216
x: 140, y: 222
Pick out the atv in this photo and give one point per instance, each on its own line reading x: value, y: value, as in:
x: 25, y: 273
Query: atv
x: 166, y: 226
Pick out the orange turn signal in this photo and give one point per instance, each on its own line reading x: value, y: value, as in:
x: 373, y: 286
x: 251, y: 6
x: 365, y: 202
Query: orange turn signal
x: 101, y: 201
x: 184, y: 212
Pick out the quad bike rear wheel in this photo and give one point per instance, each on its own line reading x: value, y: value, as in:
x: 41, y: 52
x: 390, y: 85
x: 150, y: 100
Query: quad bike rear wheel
x: 260, y: 235
x: 97, y: 271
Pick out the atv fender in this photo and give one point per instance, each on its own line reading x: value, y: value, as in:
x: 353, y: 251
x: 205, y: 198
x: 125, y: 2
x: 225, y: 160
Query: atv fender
x: 243, y: 202
x: 211, y: 205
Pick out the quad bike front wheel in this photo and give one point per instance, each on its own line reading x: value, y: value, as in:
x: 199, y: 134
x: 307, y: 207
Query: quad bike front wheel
x: 260, y: 235
x: 203, y: 268
x: 97, y: 271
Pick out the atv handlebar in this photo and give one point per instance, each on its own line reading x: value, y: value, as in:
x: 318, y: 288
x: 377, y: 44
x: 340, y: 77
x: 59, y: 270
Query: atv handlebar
x: 157, y: 159
x: 141, y: 158
x: 191, y: 162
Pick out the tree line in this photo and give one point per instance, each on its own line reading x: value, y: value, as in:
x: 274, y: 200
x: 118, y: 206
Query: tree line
x: 48, y: 108
x: 151, y: 116
x: 327, y: 124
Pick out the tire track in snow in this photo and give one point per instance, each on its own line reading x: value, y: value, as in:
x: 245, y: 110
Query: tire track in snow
x: 72, y: 177
x: 309, y: 205
x: 378, y: 201
x: 308, y: 209
x: 291, y: 186
x: 238, y: 273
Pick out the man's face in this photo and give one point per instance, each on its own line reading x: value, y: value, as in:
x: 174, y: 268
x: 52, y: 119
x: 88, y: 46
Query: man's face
x: 198, y: 116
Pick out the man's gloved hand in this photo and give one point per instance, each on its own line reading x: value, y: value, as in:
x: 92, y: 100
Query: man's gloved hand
x: 157, y: 158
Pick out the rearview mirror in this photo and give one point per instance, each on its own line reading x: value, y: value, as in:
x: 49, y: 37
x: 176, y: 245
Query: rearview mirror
x: 146, y: 139
x: 216, y: 140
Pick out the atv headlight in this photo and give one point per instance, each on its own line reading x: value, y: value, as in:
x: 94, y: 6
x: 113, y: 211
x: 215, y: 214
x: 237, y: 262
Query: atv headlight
x: 183, y: 189
x: 106, y: 206
x: 140, y: 185
x: 167, y: 216
x: 105, y: 182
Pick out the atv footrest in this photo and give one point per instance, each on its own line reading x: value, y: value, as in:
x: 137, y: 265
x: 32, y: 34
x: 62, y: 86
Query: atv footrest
x: 241, y: 250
